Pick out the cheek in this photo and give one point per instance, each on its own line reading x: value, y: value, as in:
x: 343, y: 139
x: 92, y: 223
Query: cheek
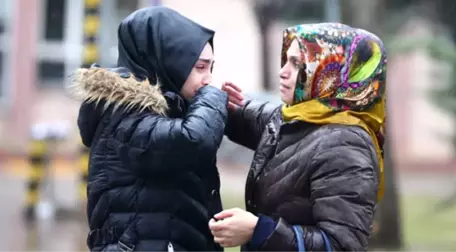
x: 192, y: 81
x: 288, y: 97
x: 290, y: 94
x: 293, y: 78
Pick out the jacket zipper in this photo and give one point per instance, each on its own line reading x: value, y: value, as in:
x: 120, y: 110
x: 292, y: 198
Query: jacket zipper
x: 170, y: 247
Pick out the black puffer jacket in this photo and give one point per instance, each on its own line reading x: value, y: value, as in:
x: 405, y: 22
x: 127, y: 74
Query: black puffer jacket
x: 320, y: 177
x: 153, y: 181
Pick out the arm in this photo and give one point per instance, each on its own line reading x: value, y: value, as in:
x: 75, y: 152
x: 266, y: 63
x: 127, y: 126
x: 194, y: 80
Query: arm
x: 246, y: 124
x: 344, y: 189
x: 151, y: 140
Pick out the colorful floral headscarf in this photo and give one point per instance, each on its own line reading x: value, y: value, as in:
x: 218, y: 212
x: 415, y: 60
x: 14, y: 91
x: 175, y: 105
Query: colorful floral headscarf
x: 342, y: 79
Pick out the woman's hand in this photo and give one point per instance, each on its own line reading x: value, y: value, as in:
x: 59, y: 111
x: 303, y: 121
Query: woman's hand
x: 233, y: 228
x: 235, y: 97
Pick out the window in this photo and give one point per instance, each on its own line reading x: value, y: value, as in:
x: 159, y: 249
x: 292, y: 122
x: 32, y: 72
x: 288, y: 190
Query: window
x: 54, y: 20
x: 5, y: 41
x: 51, y: 71
x: 303, y: 11
x: 2, y: 26
x: 126, y: 7
x: 51, y: 46
x: 2, y: 55
x: 2, y: 65
x: 112, y: 14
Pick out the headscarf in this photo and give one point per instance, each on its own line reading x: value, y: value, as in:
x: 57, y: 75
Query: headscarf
x: 160, y: 44
x: 342, y: 80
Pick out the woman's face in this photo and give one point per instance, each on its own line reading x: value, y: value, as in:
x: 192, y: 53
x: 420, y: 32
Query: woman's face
x: 289, y: 73
x: 201, y: 74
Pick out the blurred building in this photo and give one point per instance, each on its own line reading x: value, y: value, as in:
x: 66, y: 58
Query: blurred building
x: 59, y: 35
x: 30, y: 95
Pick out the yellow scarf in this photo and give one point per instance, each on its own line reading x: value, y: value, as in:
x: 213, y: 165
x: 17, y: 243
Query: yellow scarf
x: 371, y: 120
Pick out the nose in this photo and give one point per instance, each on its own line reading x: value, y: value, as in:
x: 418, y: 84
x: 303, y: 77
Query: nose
x: 207, y: 80
x: 284, y: 73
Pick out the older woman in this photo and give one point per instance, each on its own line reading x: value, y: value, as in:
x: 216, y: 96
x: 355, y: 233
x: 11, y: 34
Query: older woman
x: 317, y: 171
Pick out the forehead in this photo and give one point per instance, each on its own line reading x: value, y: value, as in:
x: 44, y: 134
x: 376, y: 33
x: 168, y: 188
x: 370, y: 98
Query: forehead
x: 294, y: 49
x: 207, y: 52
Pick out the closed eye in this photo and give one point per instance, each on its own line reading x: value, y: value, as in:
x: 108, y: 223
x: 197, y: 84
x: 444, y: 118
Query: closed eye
x: 203, y: 64
x: 295, y: 61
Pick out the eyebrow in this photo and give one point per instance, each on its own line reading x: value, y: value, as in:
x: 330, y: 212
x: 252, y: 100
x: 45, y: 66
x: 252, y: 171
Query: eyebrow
x: 294, y: 57
x: 209, y: 61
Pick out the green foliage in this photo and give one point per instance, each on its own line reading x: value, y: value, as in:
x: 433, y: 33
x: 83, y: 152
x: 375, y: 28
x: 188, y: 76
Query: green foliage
x: 441, y: 49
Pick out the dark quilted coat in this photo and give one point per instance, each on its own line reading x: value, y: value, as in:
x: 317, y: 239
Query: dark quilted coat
x: 320, y: 177
x: 153, y: 182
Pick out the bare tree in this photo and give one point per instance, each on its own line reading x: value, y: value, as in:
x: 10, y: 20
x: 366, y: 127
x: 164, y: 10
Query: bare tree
x: 267, y: 12
x: 387, y: 225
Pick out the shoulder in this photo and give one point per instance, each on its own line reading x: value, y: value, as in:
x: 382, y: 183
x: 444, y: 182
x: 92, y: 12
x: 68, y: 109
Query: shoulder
x: 136, y: 124
x: 339, y: 146
x: 335, y: 135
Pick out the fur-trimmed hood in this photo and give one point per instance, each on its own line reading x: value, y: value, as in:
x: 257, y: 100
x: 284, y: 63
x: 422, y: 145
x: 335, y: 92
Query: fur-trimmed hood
x: 99, y: 84
x: 100, y: 88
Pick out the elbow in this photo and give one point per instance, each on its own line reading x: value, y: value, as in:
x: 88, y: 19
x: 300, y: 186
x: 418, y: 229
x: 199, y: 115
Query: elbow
x: 207, y: 146
x: 342, y: 236
x: 203, y: 140
x: 202, y: 144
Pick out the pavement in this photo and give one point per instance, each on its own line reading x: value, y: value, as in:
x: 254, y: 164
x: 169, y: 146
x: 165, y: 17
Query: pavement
x: 67, y: 231
x: 45, y: 233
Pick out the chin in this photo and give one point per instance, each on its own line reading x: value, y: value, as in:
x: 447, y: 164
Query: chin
x: 285, y: 100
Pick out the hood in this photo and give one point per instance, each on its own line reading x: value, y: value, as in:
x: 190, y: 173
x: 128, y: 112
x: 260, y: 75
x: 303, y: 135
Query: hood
x: 100, y: 88
x: 160, y: 44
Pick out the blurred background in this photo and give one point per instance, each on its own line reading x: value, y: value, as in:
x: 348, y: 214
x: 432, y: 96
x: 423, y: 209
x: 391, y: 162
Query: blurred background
x: 43, y: 165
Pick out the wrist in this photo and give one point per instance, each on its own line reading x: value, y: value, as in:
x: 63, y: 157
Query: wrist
x: 253, y: 224
x: 264, y: 228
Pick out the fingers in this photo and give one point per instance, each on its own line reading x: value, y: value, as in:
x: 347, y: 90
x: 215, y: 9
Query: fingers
x: 234, y: 93
x: 225, y: 214
x: 222, y: 230
x: 212, y: 222
x: 236, y: 101
x: 232, y: 106
x: 231, y: 85
x: 235, y: 97
x: 224, y: 239
x: 215, y: 226
x: 218, y: 232
x: 221, y: 240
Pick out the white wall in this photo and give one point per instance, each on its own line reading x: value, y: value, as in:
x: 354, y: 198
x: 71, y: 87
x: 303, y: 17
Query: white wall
x: 236, y: 40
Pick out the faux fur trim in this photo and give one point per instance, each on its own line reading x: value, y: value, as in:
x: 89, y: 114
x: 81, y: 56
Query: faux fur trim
x: 96, y: 84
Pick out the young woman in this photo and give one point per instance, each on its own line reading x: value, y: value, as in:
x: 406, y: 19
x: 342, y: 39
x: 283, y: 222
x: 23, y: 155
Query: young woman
x: 153, y: 126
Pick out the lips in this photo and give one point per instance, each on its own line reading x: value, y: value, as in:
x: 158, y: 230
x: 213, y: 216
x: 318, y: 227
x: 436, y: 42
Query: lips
x: 284, y: 89
x: 282, y: 86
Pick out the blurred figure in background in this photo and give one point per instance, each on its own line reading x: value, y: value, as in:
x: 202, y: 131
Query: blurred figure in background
x: 317, y: 172
x: 153, y: 126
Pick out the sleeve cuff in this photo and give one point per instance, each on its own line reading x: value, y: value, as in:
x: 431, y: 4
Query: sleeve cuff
x: 264, y: 228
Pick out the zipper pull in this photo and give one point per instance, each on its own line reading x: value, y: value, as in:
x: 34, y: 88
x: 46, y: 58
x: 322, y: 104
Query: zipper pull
x: 170, y: 247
